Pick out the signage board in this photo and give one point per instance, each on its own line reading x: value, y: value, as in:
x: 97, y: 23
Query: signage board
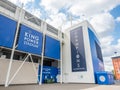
x: 48, y: 73
x: 7, y: 31
x: 30, y: 40
x: 52, y: 48
x: 77, y: 50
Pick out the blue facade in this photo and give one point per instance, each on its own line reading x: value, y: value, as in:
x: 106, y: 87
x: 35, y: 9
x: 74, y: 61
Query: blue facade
x: 7, y: 31
x: 77, y: 50
x: 95, y: 52
x: 52, y: 48
x: 30, y: 40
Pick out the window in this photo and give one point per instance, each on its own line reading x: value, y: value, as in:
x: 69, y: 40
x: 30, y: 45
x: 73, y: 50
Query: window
x: 7, y: 5
x: 32, y: 19
x: 98, y: 50
x: 52, y: 29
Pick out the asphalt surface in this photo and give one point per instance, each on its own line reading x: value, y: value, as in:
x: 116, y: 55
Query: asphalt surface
x: 62, y: 87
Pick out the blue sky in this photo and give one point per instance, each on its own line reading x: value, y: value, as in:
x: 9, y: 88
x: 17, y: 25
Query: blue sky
x: 103, y: 15
x: 115, y: 12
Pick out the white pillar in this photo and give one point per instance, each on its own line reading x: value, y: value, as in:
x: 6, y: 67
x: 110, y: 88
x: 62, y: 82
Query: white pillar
x: 13, y: 49
x: 42, y: 54
x: 61, y: 76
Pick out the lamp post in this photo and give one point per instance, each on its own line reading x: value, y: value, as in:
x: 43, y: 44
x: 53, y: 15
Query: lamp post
x: 115, y: 53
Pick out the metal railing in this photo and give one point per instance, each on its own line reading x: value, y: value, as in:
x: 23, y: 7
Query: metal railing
x: 7, y: 5
x: 29, y: 17
x: 52, y: 29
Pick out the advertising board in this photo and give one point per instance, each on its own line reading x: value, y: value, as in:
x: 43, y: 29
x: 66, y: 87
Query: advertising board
x: 52, y: 48
x: 7, y: 31
x: 30, y: 40
x: 77, y: 50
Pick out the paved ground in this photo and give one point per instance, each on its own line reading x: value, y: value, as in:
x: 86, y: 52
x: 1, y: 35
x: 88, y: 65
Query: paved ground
x: 62, y: 87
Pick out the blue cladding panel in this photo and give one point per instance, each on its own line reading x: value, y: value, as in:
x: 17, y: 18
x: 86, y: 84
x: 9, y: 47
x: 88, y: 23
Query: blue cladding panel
x: 7, y: 31
x: 52, y: 48
x: 77, y: 50
x: 30, y: 40
x: 96, y: 52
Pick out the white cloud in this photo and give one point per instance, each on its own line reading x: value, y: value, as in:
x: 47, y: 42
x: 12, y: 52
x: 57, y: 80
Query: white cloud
x: 55, y: 5
x: 108, y: 63
x: 36, y: 12
x: 81, y: 7
x: 108, y: 48
x: 103, y: 23
x: 106, y: 41
x: 57, y: 20
x: 31, y: 9
x: 119, y: 41
x: 108, y: 51
x: 118, y: 46
x: 18, y: 2
x: 118, y: 19
x: 90, y: 8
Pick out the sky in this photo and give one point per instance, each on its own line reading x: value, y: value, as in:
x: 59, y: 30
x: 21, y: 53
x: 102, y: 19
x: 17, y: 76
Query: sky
x: 103, y: 15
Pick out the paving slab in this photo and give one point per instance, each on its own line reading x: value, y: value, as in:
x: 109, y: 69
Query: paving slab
x: 62, y: 87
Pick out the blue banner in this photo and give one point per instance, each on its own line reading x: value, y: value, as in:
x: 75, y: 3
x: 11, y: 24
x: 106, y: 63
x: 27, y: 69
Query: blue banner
x: 77, y: 50
x: 7, y: 31
x: 49, y: 72
x: 30, y: 40
x: 52, y: 48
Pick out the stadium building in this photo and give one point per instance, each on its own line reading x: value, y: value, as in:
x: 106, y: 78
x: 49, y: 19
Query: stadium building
x: 32, y: 51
